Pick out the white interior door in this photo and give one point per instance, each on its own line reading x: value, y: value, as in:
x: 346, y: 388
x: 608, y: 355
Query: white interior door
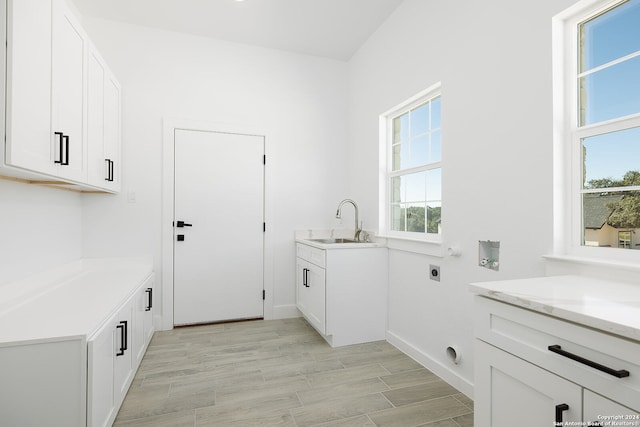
x: 219, y: 196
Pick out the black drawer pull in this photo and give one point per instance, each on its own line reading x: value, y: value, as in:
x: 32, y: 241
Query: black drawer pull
x: 622, y: 373
x: 559, y: 410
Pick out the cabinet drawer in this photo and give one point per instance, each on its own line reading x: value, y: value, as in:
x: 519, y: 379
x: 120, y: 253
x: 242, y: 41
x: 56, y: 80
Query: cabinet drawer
x: 528, y: 335
x: 309, y: 253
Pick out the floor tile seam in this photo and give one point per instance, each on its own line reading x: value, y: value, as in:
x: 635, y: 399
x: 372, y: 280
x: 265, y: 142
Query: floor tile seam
x: 462, y: 402
x: 436, y: 379
x: 434, y: 398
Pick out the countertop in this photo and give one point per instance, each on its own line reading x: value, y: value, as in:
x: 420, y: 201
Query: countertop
x: 609, y: 306
x: 72, y: 301
x: 359, y: 245
x: 306, y: 237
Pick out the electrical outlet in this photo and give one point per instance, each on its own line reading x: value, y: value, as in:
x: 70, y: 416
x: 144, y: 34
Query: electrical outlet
x: 434, y: 272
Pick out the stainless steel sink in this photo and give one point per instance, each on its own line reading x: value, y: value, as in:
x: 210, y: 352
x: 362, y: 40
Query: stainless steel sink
x: 339, y: 240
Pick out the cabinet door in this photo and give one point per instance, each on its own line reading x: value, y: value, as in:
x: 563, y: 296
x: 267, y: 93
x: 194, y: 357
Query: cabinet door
x: 143, y: 321
x: 103, y: 124
x: 123, y: 364
x: 608, y: 412
x: 112, y: 135
x: 310, y: 296
x: 101, y: 351
x: 67, y: 98
x: 28, y: 132
x: 510, y: 391
x: 97, y: 166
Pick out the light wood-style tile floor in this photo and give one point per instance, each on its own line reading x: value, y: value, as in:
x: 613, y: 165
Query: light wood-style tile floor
x: 282, y: 373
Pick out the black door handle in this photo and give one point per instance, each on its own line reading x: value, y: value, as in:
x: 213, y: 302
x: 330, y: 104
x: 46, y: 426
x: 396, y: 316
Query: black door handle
x: 559, y: 410
x: 181, y: 224
x: 622, y: 373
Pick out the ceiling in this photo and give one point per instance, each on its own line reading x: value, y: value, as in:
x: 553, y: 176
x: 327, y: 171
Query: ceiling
x: 326, y: 28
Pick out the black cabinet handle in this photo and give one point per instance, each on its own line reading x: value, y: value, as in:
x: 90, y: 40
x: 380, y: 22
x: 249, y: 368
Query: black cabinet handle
x: 126, y: 334
x: 305, y: 277
x: 66, y: 140
x: 622, y: 373
x: 559, y: 410
x: 109, y: 170
x: 121, y: 326
x: 61, y: 147
x: 149, y: 306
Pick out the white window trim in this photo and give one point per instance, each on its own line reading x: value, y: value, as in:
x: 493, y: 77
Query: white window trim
x: 425, y: 243
x: 567, y: 232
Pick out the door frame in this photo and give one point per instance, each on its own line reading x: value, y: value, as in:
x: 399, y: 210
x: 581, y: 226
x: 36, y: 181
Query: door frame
x: 168, y: 191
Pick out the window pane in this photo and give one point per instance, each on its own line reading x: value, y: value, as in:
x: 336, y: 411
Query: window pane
x: 433, y: 218
x: 434, y: 184
x: 436, y: 106
x: 435, y: 154
x: 415, y: 186
x: 401, y: 128
x: 607, y: 214
x: 612, y: 159
x: 397, y: 217
x: 610, y: 93
x: 420, y: 120
x: 610, y: 36
x: 416, y: 217
x: 396, y: 189
x: 419, y: 149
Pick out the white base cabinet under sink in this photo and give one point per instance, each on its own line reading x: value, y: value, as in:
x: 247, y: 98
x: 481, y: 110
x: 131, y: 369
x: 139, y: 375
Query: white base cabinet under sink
x: 342, y: 292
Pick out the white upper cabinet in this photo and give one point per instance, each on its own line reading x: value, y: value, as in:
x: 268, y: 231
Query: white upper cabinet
x: 67, y: 101
x: 28, y: 115
x: 63, y: 104
x: 103, y: 124
x: 112, y: 132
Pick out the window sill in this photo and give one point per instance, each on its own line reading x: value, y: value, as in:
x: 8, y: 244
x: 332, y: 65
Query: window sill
x: 572, y: 259
x: 418, y: 246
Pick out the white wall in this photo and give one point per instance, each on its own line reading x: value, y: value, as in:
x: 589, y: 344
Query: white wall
x: 299, y: 101
x: 494, y: 61
x: 40, y: 228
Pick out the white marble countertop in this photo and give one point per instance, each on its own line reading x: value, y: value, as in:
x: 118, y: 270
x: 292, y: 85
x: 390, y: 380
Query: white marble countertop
x: 609, y: 306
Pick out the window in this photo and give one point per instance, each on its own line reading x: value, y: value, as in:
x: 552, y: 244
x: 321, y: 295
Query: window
x: 624, y: 239
x: 599, y: 127
x: 413, y: 171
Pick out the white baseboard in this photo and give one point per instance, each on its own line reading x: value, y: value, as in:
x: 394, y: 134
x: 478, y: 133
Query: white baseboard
x: 444, y: 372
x: 285, y: 312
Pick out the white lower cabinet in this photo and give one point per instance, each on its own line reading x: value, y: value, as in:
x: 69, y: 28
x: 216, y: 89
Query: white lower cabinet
x: 342, y: 292
x: 114, y: 354
x: 520, y: 393
x: 75, y: 370
x: 310, y: 293
x: 534, y: 370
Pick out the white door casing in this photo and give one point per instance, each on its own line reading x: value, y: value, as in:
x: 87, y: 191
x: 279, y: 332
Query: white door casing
x: 219, y: 190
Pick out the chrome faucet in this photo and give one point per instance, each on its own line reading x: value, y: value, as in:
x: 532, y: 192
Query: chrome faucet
x: 356, y: 235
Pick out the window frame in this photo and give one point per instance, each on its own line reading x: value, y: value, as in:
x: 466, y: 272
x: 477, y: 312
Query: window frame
x: 386, y: 166
x: 567, y: 136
